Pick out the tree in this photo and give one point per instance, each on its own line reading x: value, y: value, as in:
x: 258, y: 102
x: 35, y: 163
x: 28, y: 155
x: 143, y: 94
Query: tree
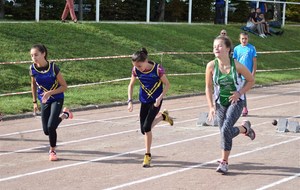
x: 277, y: 11
x: 242, y: 11
x: 293, y: 12
x: 25, y: 11
x: 202, y: 10
x: 2, y: 3
x: 51, y: 9
x: 176, y: 10
x: 161, y: 10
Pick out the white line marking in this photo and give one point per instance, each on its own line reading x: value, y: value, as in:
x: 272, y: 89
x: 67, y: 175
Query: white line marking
x: 113, y: 134
x: 35, y: 130
x: 139, y: 150
x: 136, y: 115
x: 102, y: 158
x: 280, y: 182
x: 69, y: 142
x: 197, y: 166
x: 87, y: 139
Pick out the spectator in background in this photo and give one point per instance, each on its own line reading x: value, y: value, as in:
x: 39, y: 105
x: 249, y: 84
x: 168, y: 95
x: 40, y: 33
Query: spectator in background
x: 263, y: 7
x: 253, y: 4
x: 220, y: 12
x: 69, y: 8
x: 260, y: 17
x: 254, y: 25
x: 245, y: 53
x: 223, y: 33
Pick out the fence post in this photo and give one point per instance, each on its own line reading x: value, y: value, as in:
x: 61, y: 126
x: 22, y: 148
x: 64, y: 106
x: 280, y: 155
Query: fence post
x: 190, y: 11
x: 148, y: 11
x: 283, y: 15
x: 37, y: 10
x: 97, y: 10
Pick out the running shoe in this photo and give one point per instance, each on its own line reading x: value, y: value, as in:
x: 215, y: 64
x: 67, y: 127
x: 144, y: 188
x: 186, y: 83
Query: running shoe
x: 250, y: 132
x: 68, y: 113
x: 245, y: 112
x: 223, y: 167
x: 52, y: 156
x: 167, y: 118
x: 147, y: 161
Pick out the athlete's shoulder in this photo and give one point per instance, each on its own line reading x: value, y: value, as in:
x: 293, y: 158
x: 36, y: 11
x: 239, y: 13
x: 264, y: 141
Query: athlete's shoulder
x: 211, y: 64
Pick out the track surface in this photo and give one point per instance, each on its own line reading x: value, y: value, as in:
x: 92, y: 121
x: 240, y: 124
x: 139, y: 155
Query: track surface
x: 103, y: 149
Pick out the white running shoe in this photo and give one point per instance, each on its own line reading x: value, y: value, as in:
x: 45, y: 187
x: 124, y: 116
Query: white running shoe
x: 223, y: 167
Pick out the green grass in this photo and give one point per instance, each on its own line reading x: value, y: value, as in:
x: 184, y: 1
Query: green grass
x: 94, y: 40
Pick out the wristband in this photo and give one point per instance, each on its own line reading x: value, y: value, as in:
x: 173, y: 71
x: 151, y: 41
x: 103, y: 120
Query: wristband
x: 34, y: 102
x: 130, y: 100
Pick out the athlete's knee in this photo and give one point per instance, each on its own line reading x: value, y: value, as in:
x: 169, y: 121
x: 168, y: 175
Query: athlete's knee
x: 51, y: 128
x: 46, y: 133
x: 147, y: 129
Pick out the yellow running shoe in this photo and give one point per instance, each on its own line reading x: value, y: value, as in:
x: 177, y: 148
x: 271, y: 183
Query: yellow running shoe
x: 167, y: 118
x: 147, y: 161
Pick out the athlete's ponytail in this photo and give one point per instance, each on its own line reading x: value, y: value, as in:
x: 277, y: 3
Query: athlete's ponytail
x: 140, y: 56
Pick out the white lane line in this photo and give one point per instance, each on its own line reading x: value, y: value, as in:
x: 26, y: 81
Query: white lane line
x: 123, y: 132
x: 35, y: 130
x: 68, y: 142
x: 140, y: 150
x: 197, y: 166
x: 88, y: 121
x: 87, y: 139
x: 136, y: 115
x: 280, y: 181
x: 102, y: 158
x: 277, y: 105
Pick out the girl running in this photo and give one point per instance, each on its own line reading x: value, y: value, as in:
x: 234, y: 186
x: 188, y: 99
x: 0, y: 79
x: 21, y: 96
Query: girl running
x: 48, y: 85
x: 153, y: 87
x: 224, y: 73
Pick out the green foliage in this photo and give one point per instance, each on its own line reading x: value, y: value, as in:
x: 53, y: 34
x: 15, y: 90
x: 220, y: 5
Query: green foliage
x: 242, y: 12
x: 51, y: 9
x: 293, y: 12
x: 98, y: 39
x: 135, y: 10
x: 25, y: 11
x: 202, y: 10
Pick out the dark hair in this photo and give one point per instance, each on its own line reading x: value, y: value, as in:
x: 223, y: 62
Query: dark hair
x: 244, y: 34
x: 41, y: 49
x: 226, y: 41
x: 140, y: 56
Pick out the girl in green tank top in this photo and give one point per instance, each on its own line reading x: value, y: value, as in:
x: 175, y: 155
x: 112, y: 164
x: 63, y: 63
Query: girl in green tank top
x: 226, y: 82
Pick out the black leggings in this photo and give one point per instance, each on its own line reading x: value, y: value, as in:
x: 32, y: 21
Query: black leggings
x: 50, y: 119
x: 148, y: 113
